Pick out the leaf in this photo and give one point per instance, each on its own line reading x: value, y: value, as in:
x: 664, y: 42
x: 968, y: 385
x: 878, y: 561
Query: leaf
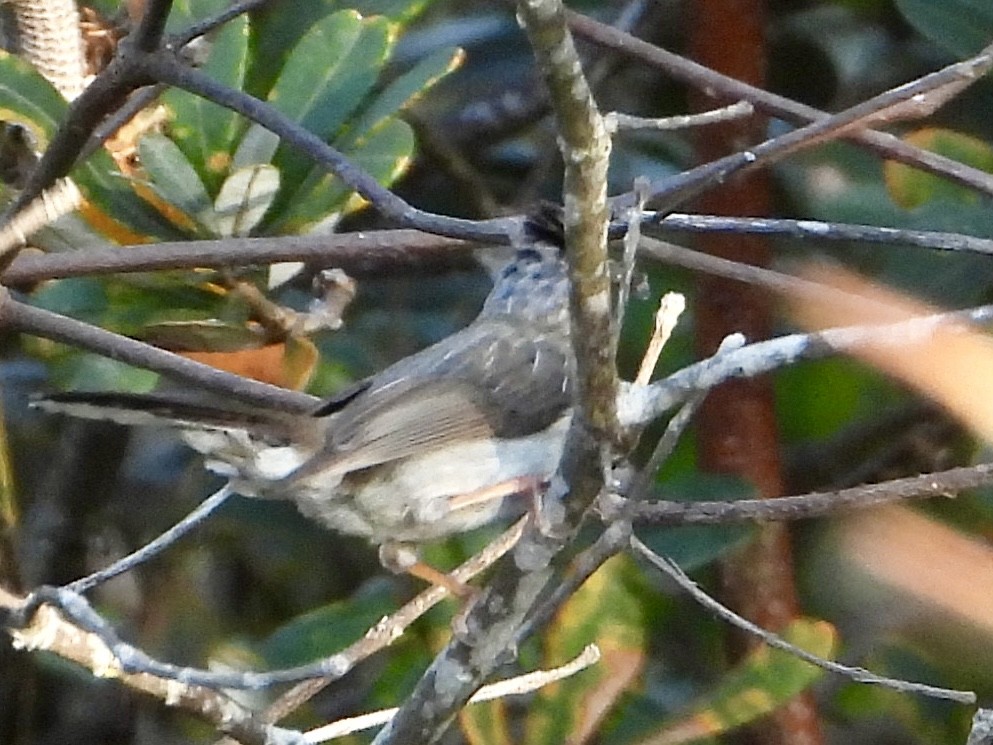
x: 184, y: 13
x: 328, y: 629
x: 205, y: 131
x: 910, y: 187
x: 763, y: 681
x: 265, y: 363
x: 8, y: 491
x: 386, y: 155
x: 331, y: 70
x: 244, y: 199
x: 273, y: 35
x: 274, y: 32
x: 300, y: 358
x: 962, y: 27
x: 175, y: 182
x: 402, y: 92
x: 256, y: 148
x: 608, y: 610
x: 29, y: 100
x: 203, y: 336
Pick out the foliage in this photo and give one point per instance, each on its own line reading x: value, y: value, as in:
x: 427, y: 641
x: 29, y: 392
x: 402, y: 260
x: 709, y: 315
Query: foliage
x: 353, y: 73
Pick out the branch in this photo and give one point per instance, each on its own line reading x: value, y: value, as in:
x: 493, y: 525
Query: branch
x: 29, y: 320
x: 365, y: 254
x: 715, y: 84
x: 818, y: 230
x: 492, y: 625
x: 639, y: 405
x: 166, y: 68
x: 48, y: 631
x: 801, y: 507
x: 857, y: 674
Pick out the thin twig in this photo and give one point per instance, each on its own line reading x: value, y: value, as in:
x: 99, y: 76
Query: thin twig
x: 516, y: 686
x: 857, y: 674
x: 375, y: 253
x: 722, y: 86
x: 48, y: 631
x: 671, y: 307
x: 639, y: 405
x: 826, y: 231
x: 800, y: 507
x: 167, y: 69
x: 153, y: 548
x: 26, y: 319
x: 618, y: 122
x: 108, y: 655
x: 391, y: 627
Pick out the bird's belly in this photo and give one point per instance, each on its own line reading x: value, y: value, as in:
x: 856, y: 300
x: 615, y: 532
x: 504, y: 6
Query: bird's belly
x: 411, y: 500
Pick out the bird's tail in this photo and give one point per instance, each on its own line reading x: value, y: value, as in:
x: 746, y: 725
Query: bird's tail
x: 185, y: 412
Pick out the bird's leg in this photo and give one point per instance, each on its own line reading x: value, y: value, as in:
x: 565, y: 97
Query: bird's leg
x: 532, y: 486
x: 519, y: 485
x: 401, y: 558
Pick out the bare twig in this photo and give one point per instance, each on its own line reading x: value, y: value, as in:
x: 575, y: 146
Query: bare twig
x: 516, y: 686
x: 826, y: 231
x: 857, y: 674
x: 715, y: 84
x: 671, y: 307
x: 359, y: 254
x: 804, y: 506
x: 165, y: 68
x: 639, y: 405
x: 617, y: 122
x: 48, y: 631
x: 29, y: 320
x: 153, y: 548
x: 115, y: 657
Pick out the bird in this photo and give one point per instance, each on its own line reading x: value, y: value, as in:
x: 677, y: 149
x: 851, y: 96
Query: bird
x: 440, y: 442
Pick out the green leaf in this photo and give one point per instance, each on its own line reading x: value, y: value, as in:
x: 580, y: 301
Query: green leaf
x: 765, y: 680
x: 962, y: 27
x: 244, y: 199
x: 210, y: 335
x: 402, y: 92
x: 204, y: 131
x: 330, y: 72
x: 911, y: 187
x: 29, y: 100
x: 184, y: 13
x: 119, y: 213
x: 175, y: 181
x: 256, y: 148
x: 329, y: 629
x: 318, y: 66
x: 401, y: 11
x: 386, y: 155
x: 274, y: 33
x: 608, y: 610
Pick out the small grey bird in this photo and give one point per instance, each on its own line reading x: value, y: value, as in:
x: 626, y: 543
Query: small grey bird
x: 440, y: 442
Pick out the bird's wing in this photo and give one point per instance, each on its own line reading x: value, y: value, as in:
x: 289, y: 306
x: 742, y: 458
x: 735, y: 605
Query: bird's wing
x: 481, y: 382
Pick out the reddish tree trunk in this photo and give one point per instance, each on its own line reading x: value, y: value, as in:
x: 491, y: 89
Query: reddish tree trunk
x: 736, y: 428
